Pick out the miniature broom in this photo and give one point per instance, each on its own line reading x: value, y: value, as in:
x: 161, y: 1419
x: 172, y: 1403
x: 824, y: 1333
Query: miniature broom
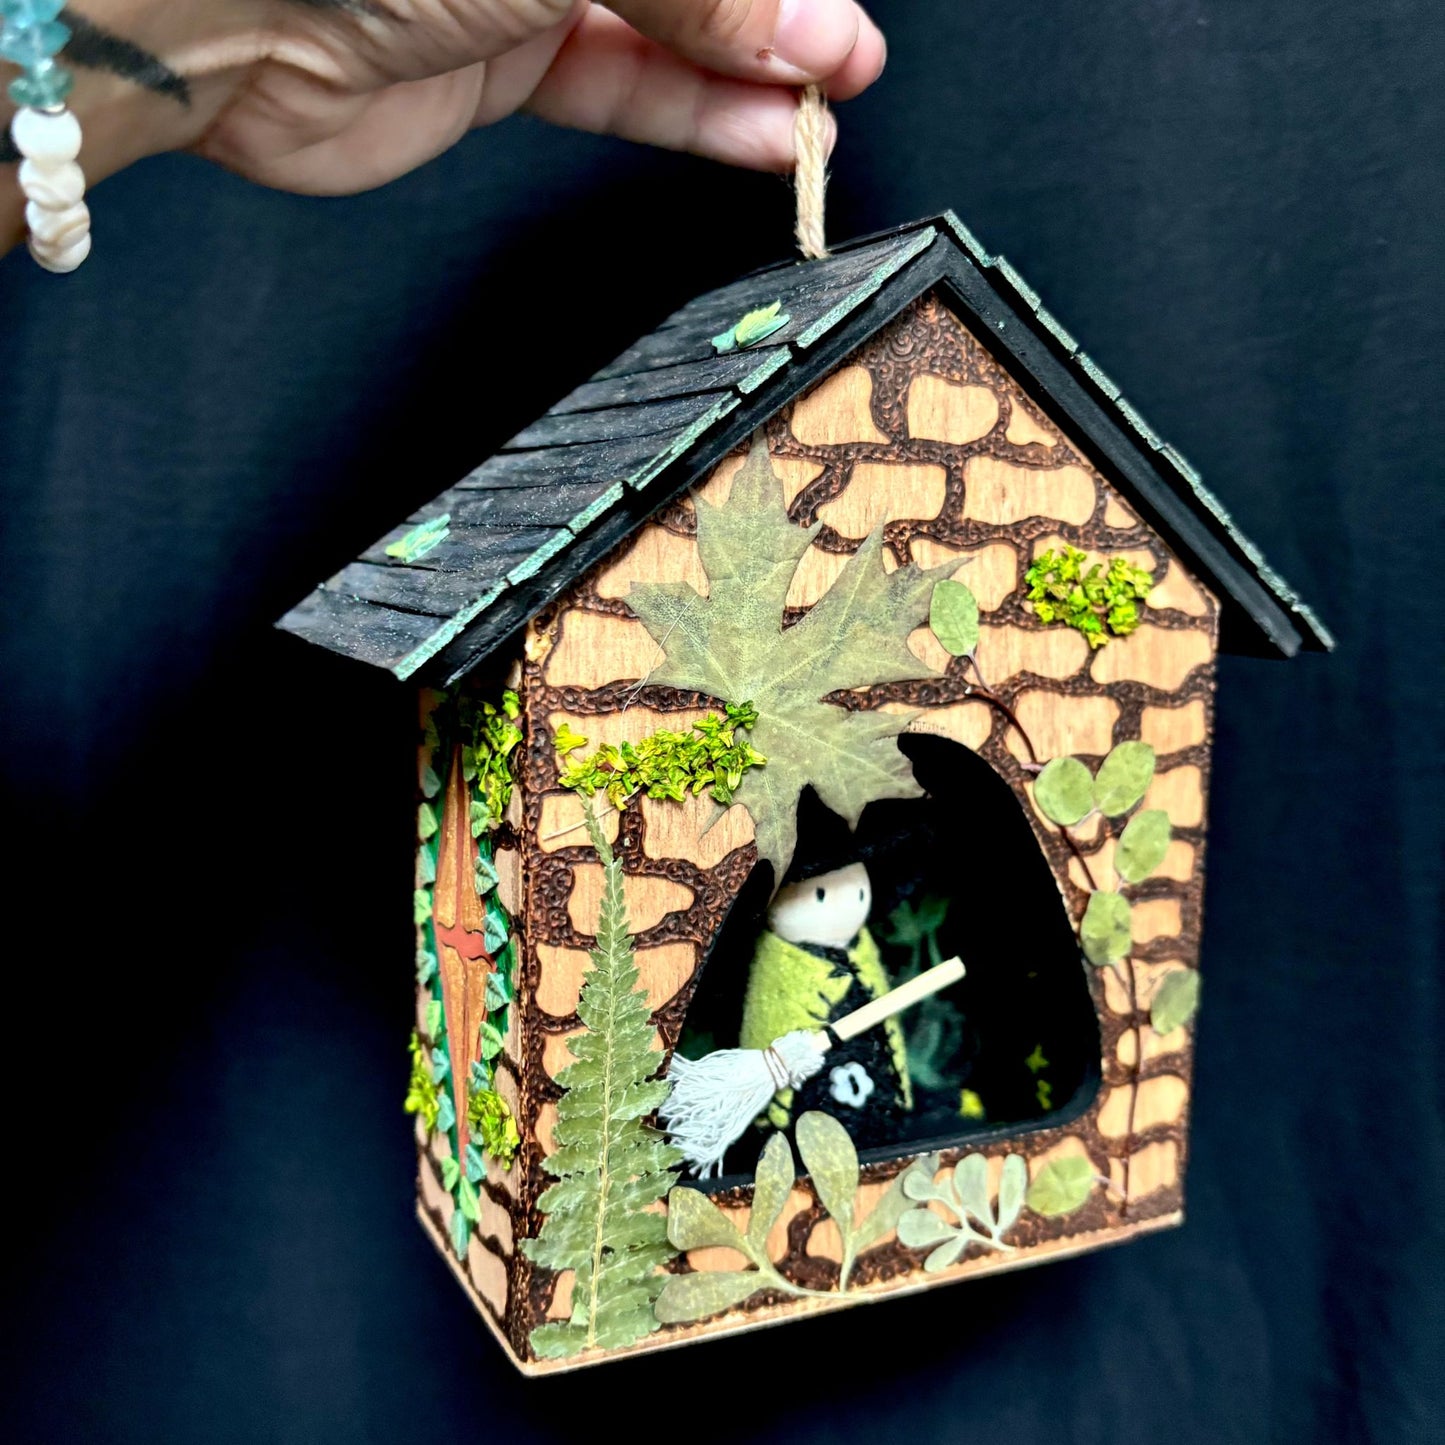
x: 716, y: 1097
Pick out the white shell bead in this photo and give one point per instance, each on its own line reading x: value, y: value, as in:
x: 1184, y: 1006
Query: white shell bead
x: 57, y: 229
x: 45, y: 136
x: 52, y: 184
x: 61, y: 261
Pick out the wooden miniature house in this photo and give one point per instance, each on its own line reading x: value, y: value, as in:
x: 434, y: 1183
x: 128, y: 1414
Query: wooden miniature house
x: 919, y: 409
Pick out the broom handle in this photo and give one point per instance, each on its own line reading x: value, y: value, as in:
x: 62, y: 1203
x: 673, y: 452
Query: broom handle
x: 898, y: 999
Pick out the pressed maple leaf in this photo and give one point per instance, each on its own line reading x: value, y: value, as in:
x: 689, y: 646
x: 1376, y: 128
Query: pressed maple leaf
x: 732, y: 645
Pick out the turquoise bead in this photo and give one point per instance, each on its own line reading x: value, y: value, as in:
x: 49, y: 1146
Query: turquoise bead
x: 30, y: 46
x: 46, y: 85
x: 25, y: 13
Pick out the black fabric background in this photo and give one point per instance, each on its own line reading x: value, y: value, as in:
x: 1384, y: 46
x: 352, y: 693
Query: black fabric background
x: 1238, y: 208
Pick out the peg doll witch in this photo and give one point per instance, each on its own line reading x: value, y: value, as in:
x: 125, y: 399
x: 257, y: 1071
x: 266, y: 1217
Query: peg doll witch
x: 815, y: 963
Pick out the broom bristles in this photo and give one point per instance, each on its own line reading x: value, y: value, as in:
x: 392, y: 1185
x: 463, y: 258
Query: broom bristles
x: 716, y: 1097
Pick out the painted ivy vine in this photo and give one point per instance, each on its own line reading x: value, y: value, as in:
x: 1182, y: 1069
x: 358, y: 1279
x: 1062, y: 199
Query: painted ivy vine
x: 484, y: 736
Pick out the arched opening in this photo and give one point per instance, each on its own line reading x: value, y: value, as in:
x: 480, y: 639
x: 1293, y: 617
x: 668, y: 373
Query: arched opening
x: 1015, y: 1044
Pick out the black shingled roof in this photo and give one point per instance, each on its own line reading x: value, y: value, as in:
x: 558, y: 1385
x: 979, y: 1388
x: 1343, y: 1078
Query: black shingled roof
x: 565, y: 491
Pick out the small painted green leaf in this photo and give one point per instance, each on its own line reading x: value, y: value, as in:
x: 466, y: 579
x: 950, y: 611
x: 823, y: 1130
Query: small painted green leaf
x: 1107, y: 932
x: 426, y: 821
x: 431, y: 785
x: 461, y: 1230
x: 1142, y: 846
x: 970, y: 1186
x: 476, y: 1165
x: 1061, y: 1186
x: 451, y: 1172
x: 1123, y: 778
x: 499, y: 992
x: 1175, y: 1000
x: 420, y: 540
x: 829, y: 1156
x: 922, y: 1229
x: 446, y: 1112
x: 1064, y: 791
x: 426, y: 865
x: 484, y: 873
x: 696, y: 1296
x: 434, y: 1020
x: 420, y: 906
x: 953, y: 616
x: 467, y: 1199
x: 426, y: 965
x: 695, y: 1222
x: 1012, y: 1184
x: 494, y: 935
x: 772, y: 1183
x: 491, y: 1040
x: 441, y: 1066
x: 479, y: 817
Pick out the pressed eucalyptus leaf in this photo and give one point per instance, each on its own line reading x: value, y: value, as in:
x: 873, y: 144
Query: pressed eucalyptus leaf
x: 1064, y: 791
x: 1107, y: 931
x: 772, y: 1183
x: 1061, y: 1186
x: 1123, y: 778
x: 1012, y: 1185
x: 946, y: 1253
x: 829, y: 1156
x: 695, y: 1222
x: 1175, y: 1001
x: 970, y: 1184
x: 953, y: 616
x: 1142, y: 846
x: 696, y: 1296
x: 922, y: 1229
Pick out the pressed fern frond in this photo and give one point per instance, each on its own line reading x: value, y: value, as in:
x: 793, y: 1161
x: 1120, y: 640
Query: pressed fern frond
x: 609, y: 1164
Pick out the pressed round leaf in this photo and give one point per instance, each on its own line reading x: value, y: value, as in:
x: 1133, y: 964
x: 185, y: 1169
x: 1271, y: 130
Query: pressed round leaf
x: 922, y: 1229
x: 696, y: 1296
x: 695, y: 1222
x: 1124, y: 778
x: 1065, y: 791
x: 1175, y: 1001
x: 1107, y: 932
x: 829, y: 1156
x: 953, y: 616
x: 970, y: 1186
x: 1143, y: 845
x: 946, y: 1253
x: 1062, y: 1185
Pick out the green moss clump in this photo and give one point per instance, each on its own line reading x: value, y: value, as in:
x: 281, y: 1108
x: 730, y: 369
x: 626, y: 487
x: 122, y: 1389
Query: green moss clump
x: 712, y: 757
x: 423, y: 1093
x: 1102, y: 602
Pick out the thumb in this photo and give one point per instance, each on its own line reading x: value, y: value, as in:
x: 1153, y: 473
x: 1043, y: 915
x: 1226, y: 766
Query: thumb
x: 785, y: 42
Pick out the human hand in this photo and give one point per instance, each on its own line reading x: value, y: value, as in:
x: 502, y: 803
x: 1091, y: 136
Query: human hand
x: 335, y: 96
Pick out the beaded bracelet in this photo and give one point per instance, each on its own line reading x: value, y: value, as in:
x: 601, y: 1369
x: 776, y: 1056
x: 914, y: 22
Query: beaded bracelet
x: 45, y: 133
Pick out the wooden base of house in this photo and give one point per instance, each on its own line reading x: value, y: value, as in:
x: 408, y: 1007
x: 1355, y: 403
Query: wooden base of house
x: 739, y: 1321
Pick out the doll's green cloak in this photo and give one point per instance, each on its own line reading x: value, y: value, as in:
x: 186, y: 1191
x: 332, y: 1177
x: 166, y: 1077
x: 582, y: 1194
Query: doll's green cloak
x: 791, y: 987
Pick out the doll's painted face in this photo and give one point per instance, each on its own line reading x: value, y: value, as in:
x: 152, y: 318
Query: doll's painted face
x: 829, y: 909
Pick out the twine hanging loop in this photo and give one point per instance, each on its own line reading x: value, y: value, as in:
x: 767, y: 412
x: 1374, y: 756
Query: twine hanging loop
x: 810, y: 174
